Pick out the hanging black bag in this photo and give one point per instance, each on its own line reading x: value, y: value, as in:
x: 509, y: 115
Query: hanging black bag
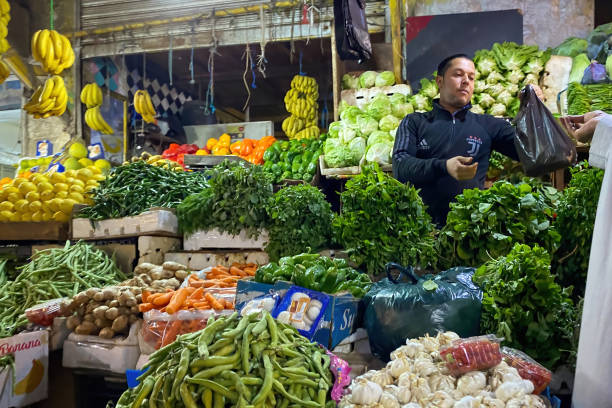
x: 352, y: 36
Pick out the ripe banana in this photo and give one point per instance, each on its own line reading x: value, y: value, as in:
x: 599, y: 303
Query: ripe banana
x: 91, y: 95
x: 311, y: 132
x: 32, y: 380
x: 52, y: 50
x: 4, y: 72
x: 144, y: 106
x: 94, y: 119
x: 5, y: 17
x: 301, y: 102
x: 49, y: 99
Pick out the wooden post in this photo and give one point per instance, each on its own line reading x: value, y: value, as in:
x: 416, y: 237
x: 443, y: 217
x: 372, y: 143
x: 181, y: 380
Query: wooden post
x: 396, y: 38
x: 335, y: 70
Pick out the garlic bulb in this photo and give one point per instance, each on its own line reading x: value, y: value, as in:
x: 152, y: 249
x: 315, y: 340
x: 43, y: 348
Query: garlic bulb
x: 439, y: 382
x: 382, y: 377
x: 420, y: 389
x: 467, y: 402
x: 424, y: 367
x: 388, y: 400
x: 365, y: 392
x: 430, y: 343
x: 399, y: 366
x: 440, y: 399
x: 446, y: 338
x: 471, y: 383
x: 509, y: 390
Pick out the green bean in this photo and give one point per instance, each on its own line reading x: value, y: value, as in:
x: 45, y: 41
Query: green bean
x: 219, y: 400
x: 156, y: 388
x: 146, y: 388
x: 181, y: 371
x: 211, y: 372
x: 215, y: 387
x: 267, y: 384
x: 245, y: 348
x: 279, y: 387
x: 186, y: 396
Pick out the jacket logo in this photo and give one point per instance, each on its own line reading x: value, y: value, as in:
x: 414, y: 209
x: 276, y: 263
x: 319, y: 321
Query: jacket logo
x: 474, y: 143
x: 423, y: 145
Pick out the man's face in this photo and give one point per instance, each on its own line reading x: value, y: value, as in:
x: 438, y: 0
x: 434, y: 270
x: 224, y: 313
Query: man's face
x: 457, y: 85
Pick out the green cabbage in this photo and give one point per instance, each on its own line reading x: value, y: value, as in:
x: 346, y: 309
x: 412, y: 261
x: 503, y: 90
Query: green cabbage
x: 346, y: 134
x: 379, y: 137
x: 331, y: 144
x: 367, y: 79
x: 494, y: 77
x: 485, y: 100
x: 379, y: 107
x: 512, y: 88
x: 571, y: 47
x: 334, y: 128
x: 399, y: 106
x: 429, y: 88
x: 505, y: 97
x: 366, y: 125
x: 342, y: 107
x: 349, y: 114
x: 358, y: 148
x: 421, y: 103
x: 480, y: 85
x: 485, y: 62
x: 393, y: 132
x: 495, y: 89
x: 340, y: 156
x: 385, y: 78
x: 379, y: 153
x: 477, y: 109
x: 535, y: 64
x: 513, y: 109
x: 515, y: 77
x: 350, y: 82
x: 477, y: 74
x: 388, y: 123
x: 498, y: 109
x: 579, y: 64
x: 530, y: 79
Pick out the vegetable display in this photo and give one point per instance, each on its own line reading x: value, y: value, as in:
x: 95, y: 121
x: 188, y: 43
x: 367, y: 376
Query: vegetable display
x: 586, y: 98
x: 137, y: 187
x: 235, y: 201
x: 523, y: 304
x: 54, y: 273
x: 575, y: 222
x: 368, y: 79
x: 294, y: 159
x: 252, y: 150
x: 485, y: 224
x: 301, y: 103
x: 240, y: 362
x: 316, y: 272
x: 300, y: 217
x: 383, y: 220
x: 417, y: 376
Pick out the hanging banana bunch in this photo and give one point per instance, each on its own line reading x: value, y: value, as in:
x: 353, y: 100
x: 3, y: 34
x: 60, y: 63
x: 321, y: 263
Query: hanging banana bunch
x: 301, y: 102
x: 4, y: 72
x: 91, y: 95
x: 5, y: 17
x: 49, y: 99
x: 52, y: 50
x: 144, y: 106
x: 94, y: 119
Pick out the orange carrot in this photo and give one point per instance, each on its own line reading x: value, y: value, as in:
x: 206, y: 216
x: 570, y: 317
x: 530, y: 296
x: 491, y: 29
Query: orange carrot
x: 171, y: 332
x: 163, y: 299
x: 145, y: 296
x: 197, y: 294
x: 229, y: 304
x: 145, y: 307
x: 214, y: 302
x: 177, y: 300
x: 201, y: 305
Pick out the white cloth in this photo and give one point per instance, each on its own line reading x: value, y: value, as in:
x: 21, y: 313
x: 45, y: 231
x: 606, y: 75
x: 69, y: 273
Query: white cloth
x: 593, y: 381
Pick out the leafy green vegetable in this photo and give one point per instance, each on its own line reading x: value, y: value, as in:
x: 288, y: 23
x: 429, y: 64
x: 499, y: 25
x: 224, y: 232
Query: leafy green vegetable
x: 485, y: 224
x: 235, y: 201
x: 505, y: 98
x: 334, y: 128
x: 485, y: 62
x: 476, y: 108
x: 385, y: 78
x: 383, y: 220
x: 380, y: 153
x: 571, y: 47
x: 497, y: 109
x: 575, y: 221
x: 579, y: 64
x: 379, y: 137
x: 340, y: 156
x: 379, y: 107
x: 429, y: 88
x: 388, y: 123
x: 350, y: 82
x: 485, y: 100
x: 511, y: 56
x: 504, y: 168
x: 523, y: 304
x: 300, y: 217
x: 421, y: 102
x: 367, y: 79
x: 400, y: 107
x: 515, y: 76
x: 366, y: 125
x: 494, y: 77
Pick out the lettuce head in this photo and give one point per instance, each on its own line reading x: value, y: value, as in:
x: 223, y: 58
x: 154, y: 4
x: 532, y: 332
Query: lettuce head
x: 350, y: 82
x: 366, y: 124
x: 388, y: 123
x: 367, y: 79
x: 379, y: 137
x: 379, y: 107
x: 385, y: 78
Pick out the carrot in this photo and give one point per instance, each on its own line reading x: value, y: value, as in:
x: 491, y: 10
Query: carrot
x: 229, y: 304
x: 190, y: 290
x: 202, y: 305
x: 223, y: 268
x: 214, y: 302
x: 145, y: 296
x: 163, y: 299
x: 145, y: 307
x: 197, y: 294
x: 177, y: 300
x: 171, y: 332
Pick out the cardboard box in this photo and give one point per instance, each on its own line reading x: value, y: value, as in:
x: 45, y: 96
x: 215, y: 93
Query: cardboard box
x: 217, y: 239
x: 338, y: 322
x: 153, y: 249
x: 115, y: 355
x: 154, y: 222
x: 31, y: 353
x: 200, y: 260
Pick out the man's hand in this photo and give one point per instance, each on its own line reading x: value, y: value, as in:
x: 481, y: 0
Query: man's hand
x: 582, y: 127
x: 459, y: 168
x: 538, y: 91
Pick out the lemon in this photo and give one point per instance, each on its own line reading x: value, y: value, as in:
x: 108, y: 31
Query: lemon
x: 76, y: 189
x: 45, y: 187
x: 95, y: 169
x: 35, y: 206
x: 26, y: 217
x: 92, y: 183
x: 72, y: 164
x: 53, y: 205
x: 46, y: 195
x: 61, y: 194
x: 3, y: 194
x: 59, y: 187
x: 13, y: 197
x: 61, y: 217
x: 99, y: 177
x: 66, y: 205
x: 26, y: 187
x: 39, y: 178
x: 6, y: 214
x: 102, y: 164
x: 15, y: 217
x: 70, y: 180
x: 78, y: 197
x: 17, y: 182
x: 78, y: 182
x: 46, y: 216
x: 84, y: 174
x: 85, y: 162
x: 32, y: 196
x: 21, y: 205
x: 6, y: 206
x: 70, y: 173
x: 11, y: 189
x: 37, y: 216
x: 58, y: 178
x: 78, y: 150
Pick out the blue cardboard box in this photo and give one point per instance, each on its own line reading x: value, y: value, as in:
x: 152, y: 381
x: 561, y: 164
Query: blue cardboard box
x: 338, y: 322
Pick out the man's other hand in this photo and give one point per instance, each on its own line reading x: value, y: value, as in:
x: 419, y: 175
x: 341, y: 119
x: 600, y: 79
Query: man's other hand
x: 460, y: 168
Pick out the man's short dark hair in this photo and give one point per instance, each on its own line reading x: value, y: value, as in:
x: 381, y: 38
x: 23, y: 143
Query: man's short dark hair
x: 443, y: 66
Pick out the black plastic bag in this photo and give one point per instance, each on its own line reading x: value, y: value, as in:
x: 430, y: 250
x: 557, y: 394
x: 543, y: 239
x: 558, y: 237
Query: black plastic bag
x: 541, y: 143
x: 352, y: 36
x: 396, y: 311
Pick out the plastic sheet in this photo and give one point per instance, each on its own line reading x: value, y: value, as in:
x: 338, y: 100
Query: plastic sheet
x: 472, y: 354
x: 528, y: 368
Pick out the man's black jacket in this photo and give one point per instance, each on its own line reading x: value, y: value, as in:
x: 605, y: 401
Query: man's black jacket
x: 424, y: 141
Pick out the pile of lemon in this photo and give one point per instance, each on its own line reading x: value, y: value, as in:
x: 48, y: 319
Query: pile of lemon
x: 48, y: 197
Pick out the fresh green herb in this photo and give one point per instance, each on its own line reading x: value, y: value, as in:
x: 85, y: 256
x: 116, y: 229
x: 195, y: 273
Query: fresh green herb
x: 575, y: 221
x: 485, y: 224
x: 300, y: 217
x: 137, y: 187
x: 504, y: 168
x: 383, y: 220
x: 523, y: 304
x: 235, y: 201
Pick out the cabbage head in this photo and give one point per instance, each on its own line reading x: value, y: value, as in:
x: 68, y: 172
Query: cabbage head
x: 379, y: 137
x: 494, y: 77
x: 334, y: 128
x: 385, y: 78
x: 495, y: 89
x: 515, y: 76
x: 350, y: 82
x: 388, y: 123
x: 480, y: 86
x: 346, y: 134
x: 485, y: 100
x: 331, y: 144
x: 477, y: 109
x: 379, y: 153
x: 505, y: 97
x: 358, y: 147
x: 379, y: 107
x: 429, y: 88
x: 400, y: 107
x: 367, y: 79
x: 498, y: 109
x: 350, y: 114
x: 366, y: 125
x: 421, y: 103
x: 340, y: 156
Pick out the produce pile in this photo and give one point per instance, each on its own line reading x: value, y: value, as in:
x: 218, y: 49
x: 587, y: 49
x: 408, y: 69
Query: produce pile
x: 523, y: 304
x: 219, y: 147
x: 137, y: 187
x: 235, y: 201
x: 383, y: 220
x: 49, y: 99
x: 249, y: 361
x: 156, y: 160
x: 368, y: 79
x: 586, y: 98
x: 503, y: 167
x: 5, y: 17
x: 299, y: 217
x: 294, y: 159
x: 418, y: 376
x: 91, y: 96
x: 252, y: 150
x: 52, y: 274
x: 52, y: 49
x: 485, y: 224
x: 301, y: 103
x: 316, y: 272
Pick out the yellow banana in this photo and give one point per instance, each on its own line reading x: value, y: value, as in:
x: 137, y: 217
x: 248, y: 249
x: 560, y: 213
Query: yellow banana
x: 5, y: 7
x: 47, y: 90
x: 46, y: 105
x: 4, y: 45
x: 149, y: 103
x: 62, y: 97
x: 4, y: 72
x: 84, y: 94
x: 33, y: 46
x: 32, y: 380
x: 58, y: 85
x: 42, y: 44
x: 57, y: 44
x: 50, y: 60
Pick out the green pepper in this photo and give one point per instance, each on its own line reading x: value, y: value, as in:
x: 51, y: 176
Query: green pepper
x: 295, y: 167
x: 311, y: 168
x: 285, y: 146
x: 269, y: 155
x: 287, y: 260
x: 329, y: 282
x: 264, y: 273
x: 301, y: 278
x: 286, y: 175
x: 307, y: 156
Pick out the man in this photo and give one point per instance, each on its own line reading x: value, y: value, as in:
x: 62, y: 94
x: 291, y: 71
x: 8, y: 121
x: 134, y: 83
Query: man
x: 582, y: 127
x: 446, y: 150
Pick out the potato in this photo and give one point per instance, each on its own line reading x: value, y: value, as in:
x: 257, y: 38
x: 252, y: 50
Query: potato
x: 120, y: 323
x: 99, y: 297
x: 181, y: 275
x: 72, y: 322
x: 109, y: 293
x: 144, y: 280
x: 86, y: 328
x: 123, y: 310
x: 173, y: 266
x: 91, y: 292
x: 132, y: 319
x: 128, y: 299
x: 137, y: 290
x: 156, y: 275
x: 81, y: 299
x: 134, y: 309
x: 106, y: 333
x: 99, y: 311
x: 101, y: 323
x: 81, y: 310
x: 114, y: 303
x: 173, y: 283
x: 89, y: 318
x: 111, y: 313
x: 144, y: 267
